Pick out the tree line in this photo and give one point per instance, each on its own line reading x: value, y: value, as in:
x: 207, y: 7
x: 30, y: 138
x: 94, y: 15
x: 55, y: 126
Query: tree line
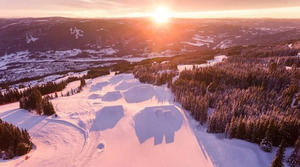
x: 253, y: 98
x: 13, y: 141
x: 155, y: 73
x: 250, y: 101
x: 13, y: 95
x: 33, y: 101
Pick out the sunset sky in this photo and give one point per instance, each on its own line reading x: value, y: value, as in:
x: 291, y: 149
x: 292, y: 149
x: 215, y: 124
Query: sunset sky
x: 137, y: 8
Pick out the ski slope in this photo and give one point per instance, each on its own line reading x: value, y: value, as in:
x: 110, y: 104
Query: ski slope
x: 116, y: 121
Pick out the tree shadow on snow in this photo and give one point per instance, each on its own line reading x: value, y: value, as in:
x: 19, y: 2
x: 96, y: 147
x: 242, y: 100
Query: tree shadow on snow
x: 107, y: 118
x: 146, y: 92
x: 157, y: 122
x: 124, y: 85
x: 98, y: 86
x: 94, y: 96
x: 22, y: 118
x: 112, y: 96
x: 117, y: 78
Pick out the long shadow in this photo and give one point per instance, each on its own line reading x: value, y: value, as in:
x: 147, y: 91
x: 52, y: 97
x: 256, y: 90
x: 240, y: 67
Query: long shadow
x: 8, y: 112
x: 139, y: 94
x: 94, y: 96
x: 162, y: 94
x: 22, y: 118
x: 124, y: 85
x: 195, y: 128
x: 157, y: 122
x: 222, y: 151
x: 98, y: 86
x: 107, y: 118
x: 117, y: 78
x: 112, y: 96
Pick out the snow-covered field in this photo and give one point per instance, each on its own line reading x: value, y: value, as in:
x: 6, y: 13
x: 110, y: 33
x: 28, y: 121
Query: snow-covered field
x: 217, y: 59
x: 118, y: 121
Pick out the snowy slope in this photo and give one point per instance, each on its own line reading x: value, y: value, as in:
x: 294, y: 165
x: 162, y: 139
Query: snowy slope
x: 118, y: 121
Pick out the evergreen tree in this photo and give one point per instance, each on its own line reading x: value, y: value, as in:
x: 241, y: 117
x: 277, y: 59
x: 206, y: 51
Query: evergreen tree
x: 266, y: 144
x: 279, y: 158
x: 82, y: 82
x: 273, y: 67
x: 36, y: 101
x: 13, y: 141
x: 48, y: 108
x: 294, y: 159
x: 233, y: 128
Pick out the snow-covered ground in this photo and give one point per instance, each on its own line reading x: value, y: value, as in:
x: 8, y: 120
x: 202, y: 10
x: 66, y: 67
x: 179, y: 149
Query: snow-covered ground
x: 217, y: 59
x: 199, y: 40
x: 118, y: 121
x: 76, y: 32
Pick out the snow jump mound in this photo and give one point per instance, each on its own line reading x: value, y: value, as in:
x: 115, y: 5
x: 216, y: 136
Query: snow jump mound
x: 107, y: 118
x: 139, y: 94
x: 157, y: 122
x: 112, y: 96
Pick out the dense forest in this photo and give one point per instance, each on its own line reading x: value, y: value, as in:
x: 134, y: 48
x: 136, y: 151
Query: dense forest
x: 155, y: 73
x: 254, y: 98
x: 33, y: 101
x: 13, y: 95
x: 13, y: 141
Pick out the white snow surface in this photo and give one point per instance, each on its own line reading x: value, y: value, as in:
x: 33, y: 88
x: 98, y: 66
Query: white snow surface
x: 30, y: 38
x: 217, y: 59
x: 76, y: 32
x: 199, y: 40
x: 118, y: 121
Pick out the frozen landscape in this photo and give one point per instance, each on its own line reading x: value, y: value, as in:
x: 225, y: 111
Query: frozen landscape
x: 118, y: 121
x: 149, y: 92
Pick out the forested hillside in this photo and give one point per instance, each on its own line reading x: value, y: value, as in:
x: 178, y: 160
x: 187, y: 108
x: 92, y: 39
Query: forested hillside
x: 253, y: 96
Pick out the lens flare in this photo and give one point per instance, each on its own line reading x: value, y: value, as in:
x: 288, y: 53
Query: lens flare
x: 161, y: 15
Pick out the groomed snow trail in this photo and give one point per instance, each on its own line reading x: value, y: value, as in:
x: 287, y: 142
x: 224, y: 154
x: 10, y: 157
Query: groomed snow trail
x: 116, y: 121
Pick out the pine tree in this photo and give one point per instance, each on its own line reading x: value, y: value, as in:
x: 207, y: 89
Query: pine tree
x: 48, y: 108
x: 266, y: 144
x: 278, y: 160
x: 273, y: 67
x: 13, y: 141
x: 294, y: 159
x: 82, y: 82
x: 36, y: 101
x: 233, y: 128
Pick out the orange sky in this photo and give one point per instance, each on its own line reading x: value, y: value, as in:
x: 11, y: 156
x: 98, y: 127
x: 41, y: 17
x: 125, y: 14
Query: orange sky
x: 136, y: 8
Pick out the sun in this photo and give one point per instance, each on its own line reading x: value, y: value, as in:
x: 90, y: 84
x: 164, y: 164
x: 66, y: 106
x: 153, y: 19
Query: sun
x: 161, y: 15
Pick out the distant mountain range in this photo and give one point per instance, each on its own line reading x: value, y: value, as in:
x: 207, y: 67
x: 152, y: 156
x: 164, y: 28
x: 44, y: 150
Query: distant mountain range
x: 38, y: 46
